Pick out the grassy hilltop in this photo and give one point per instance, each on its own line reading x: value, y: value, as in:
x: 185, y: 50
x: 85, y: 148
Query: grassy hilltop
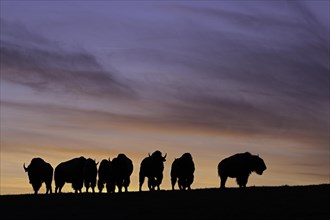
x: 283, y: 202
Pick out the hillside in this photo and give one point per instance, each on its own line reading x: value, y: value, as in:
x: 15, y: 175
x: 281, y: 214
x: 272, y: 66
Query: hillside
x: 284, y: 202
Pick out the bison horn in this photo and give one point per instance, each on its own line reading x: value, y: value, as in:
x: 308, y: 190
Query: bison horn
x: 149, y: 154
x: 165, y: 156
x: 26, y: 169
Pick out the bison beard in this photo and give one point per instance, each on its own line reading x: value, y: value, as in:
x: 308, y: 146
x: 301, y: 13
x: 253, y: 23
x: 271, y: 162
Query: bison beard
x: 240, y: 166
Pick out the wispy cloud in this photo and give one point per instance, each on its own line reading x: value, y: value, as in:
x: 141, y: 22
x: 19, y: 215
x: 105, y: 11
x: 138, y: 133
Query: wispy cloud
x: 34, y: 61
x: 243, y: 71
x: 237, y: 70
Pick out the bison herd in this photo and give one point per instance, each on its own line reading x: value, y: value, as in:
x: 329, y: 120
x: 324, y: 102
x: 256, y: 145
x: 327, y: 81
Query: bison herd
x: 116, y: 173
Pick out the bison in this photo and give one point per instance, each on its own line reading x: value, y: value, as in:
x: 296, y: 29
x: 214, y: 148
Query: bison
x: 152, y: 167
x: 71, y: 171
x: 105, y: 176
x: 122, y: 168
x: 39, y: 171
x: 182, y: 170
x: 90, y: 173
x: 240, y: 166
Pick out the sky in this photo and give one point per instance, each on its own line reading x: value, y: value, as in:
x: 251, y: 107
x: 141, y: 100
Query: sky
x: 213, y: 78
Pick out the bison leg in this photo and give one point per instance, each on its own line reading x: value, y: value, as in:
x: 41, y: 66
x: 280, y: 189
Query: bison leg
x: 100, y: 186
x: 77, y: 190
x: 223, y: 180
x: 184, y: 183
x: 181, y: 184
x: 242, y: 180
x: 87, y: 186
x: 190, y: 180
x: 58, y: 187
x: 159, y: 180
x: 119, y: 186
x: 141, y: 181
x: 77, y: 186
x: 151, y: 183
x: 111, y: 186
x: 48, y: 188
x: 173, y: 181
x: 93, y: 184
x: 127, y: 181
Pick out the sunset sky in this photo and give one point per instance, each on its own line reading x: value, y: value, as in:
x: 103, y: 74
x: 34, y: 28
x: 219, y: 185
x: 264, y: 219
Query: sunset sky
x: 99, y: 78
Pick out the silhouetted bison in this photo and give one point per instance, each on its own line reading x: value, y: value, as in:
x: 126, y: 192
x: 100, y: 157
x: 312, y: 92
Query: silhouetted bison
x: 240, y: 166
x: 152, y: 167
x: 122, y: 168
x: 183, y: 169
x: 90, y: 173
x: 71, y: 171
x: 39, y: 171
x: 105, y: 176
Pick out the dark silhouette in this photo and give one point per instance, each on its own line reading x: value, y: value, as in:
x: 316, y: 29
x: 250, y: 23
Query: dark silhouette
x: 240, y: 166
x: 71, y: 171
x: 182, y: 170
x: 90, y: 173
x: 39, y: 171
x: 122, y: 168
x: 152, y: 167
x: 105, y: 176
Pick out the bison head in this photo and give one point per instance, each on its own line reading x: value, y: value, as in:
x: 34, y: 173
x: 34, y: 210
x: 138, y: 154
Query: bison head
x: 187, y: 156
x: 34, y: 176
x: 157, y: 154
x: 258, y: 165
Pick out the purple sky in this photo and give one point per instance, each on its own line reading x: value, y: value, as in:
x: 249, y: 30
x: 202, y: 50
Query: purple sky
x: 212, y: 78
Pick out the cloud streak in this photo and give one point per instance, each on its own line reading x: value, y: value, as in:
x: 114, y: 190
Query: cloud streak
x: 238, y: 70
x: 221, y: 69
x: 43, y: 65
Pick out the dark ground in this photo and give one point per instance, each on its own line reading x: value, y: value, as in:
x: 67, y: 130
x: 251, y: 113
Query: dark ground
x: 283, y: 202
